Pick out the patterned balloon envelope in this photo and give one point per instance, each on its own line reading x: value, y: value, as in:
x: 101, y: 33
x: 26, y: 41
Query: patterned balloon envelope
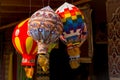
x: 45, y: 27
x: 74, y: 30
x: 24, y: 44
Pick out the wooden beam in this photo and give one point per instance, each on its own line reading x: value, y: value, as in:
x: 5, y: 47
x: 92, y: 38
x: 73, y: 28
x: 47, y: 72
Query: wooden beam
x: 18, y: 5
x: 9, y: 25
x: 80, y: 2
x: 85, y: 60
x: 14, y: 23
x: 38, y: 5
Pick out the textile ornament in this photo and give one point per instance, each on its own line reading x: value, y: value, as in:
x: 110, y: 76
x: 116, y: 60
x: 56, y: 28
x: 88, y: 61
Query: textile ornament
x: 25, y: 46
x: 74, y: 31
x: 45, y: 27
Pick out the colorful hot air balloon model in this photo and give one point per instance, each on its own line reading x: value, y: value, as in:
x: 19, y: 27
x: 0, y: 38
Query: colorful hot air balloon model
x: 25, y: 46
x: 45, y: 27
x: 74, y: 31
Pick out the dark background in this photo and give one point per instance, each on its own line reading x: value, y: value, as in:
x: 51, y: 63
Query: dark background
x: 59, y: 60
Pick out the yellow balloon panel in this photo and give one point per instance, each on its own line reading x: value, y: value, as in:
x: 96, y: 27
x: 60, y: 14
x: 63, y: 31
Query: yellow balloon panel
x: 17, y: 42
x: 29, y: 43
x: 34, y: 52
x: 22, y: 23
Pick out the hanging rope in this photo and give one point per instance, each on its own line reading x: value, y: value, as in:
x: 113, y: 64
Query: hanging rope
x: 43, y: 2
x: 72, y: 1
x: 29, y: 7
x: 48, y: 2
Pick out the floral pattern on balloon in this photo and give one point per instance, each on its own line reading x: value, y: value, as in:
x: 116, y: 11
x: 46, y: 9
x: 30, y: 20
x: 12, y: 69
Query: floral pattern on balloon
x: 45, y: 27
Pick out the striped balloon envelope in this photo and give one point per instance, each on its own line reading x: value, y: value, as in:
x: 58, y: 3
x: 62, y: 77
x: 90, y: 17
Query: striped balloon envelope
x: 24, y: 44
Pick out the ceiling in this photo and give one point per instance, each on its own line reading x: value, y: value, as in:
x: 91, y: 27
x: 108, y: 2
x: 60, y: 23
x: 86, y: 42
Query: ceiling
x: 13, y: 11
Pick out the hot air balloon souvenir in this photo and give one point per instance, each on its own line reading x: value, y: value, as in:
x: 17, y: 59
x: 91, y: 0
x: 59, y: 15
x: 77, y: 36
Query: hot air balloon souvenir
x: 74, y: 31
x: 45, y: 27
x: 26, y: 47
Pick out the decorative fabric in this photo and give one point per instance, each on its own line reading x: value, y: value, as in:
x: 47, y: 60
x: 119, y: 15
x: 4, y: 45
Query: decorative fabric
x: 40, y: 74
x: 24, y: 44
x: 45, y: 27
x: 74, y: 31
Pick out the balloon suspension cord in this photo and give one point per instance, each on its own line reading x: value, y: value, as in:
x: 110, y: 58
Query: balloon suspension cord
x: 48, y: 2
x: 30, y: 8
x: 43, y: 2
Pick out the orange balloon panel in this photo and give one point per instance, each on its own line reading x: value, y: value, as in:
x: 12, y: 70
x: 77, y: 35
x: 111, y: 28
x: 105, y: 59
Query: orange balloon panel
x: 24, y: 43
